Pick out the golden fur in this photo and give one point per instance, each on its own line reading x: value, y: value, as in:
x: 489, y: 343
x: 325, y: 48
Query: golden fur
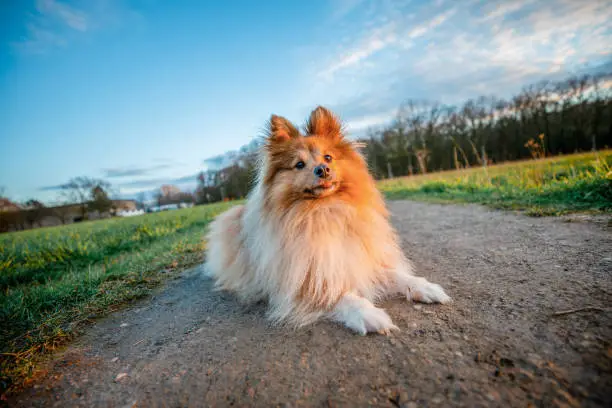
x: 311, y: 245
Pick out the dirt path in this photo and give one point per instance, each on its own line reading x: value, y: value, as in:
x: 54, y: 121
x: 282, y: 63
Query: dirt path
x: 496, y: 345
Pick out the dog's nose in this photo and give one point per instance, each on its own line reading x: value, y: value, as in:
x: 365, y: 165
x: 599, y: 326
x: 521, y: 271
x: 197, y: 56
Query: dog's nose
x: 322, y: 171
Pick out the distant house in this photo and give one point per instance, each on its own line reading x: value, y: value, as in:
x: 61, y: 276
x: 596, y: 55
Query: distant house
x: 129, y: 213
x: 167, y: 207
x: 123, y: 205
x: 7, y: 205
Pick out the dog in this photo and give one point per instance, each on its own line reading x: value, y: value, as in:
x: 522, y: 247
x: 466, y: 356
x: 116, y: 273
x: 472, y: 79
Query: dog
x: 313, y: 239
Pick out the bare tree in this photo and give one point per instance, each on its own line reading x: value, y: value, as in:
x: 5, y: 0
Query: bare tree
x: 80, y: 190
x: 100, y: 201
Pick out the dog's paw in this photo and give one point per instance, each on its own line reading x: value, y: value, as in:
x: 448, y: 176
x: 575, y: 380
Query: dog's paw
x: 370, y: 320
x: 421, y: 290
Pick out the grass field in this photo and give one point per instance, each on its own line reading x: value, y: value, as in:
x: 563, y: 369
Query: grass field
x: 552, y: 186
x: 53, y: 280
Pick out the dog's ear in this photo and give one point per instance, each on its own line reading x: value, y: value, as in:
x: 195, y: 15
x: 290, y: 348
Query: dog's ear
x: 323, y: 122
x: 281, y: 130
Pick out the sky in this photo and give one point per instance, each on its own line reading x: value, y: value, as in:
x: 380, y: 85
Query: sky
x: 143, y: 93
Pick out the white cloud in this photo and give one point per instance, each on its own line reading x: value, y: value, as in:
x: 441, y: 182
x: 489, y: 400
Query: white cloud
x: 55, y: 23
x: 422, y: 29
x: 548, y: 40
x: 70, y: 16
x: 392, y: 34
x: 362, y: 123
x: 505, y: 8
x: 50, y: 27
x: 375, y: 42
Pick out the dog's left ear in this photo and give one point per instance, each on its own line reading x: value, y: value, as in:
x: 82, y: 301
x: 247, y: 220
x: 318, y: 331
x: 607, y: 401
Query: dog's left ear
x: 281, y: 130
x: 323, y: 122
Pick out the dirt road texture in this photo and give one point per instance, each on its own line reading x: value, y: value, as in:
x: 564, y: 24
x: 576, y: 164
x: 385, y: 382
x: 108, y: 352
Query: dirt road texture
x: 502, y: 342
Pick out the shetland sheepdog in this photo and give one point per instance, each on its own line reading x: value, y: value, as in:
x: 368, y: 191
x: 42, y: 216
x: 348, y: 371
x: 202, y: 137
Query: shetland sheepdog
x: 313, y: 239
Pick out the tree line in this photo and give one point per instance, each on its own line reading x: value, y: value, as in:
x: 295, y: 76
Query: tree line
x: 561, y: 117
x: 550, y: 117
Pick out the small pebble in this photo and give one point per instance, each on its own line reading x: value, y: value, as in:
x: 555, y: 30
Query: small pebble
x: 120, y: 376
x: 115, y: 359
x: 493, y: 396
x: 124, y: 325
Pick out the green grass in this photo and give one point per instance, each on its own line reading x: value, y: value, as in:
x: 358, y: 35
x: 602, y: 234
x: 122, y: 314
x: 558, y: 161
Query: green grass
x: 53, y: 280
x: 552, y: 186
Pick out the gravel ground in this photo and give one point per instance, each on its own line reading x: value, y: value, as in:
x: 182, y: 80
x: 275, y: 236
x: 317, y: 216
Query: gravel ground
x: 499, y: 344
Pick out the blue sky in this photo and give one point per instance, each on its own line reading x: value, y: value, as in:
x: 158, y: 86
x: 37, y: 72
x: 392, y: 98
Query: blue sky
x: 142, y: 92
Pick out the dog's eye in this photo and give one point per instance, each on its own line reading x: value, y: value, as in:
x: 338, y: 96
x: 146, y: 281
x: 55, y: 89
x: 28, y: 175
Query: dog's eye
x: 327, y: 158
x: 300, y: 165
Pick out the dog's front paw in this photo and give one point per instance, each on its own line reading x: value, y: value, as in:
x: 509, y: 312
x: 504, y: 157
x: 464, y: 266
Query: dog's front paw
x: 360, y: 315
x: 370, y: 320
x: 421, y: 290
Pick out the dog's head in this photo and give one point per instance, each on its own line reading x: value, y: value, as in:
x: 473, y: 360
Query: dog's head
x: 317, y: 165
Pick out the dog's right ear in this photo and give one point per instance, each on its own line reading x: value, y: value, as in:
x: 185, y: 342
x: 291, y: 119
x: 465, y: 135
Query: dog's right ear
x: 324, y: 123
x: 281, y: 130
